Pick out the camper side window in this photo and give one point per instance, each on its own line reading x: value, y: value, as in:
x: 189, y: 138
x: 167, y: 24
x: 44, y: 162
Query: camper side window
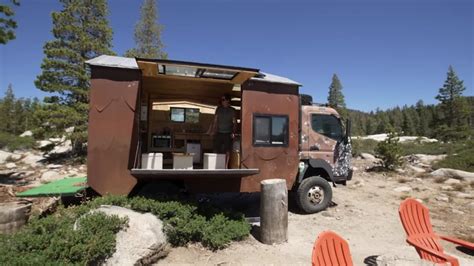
x: 270, y: 130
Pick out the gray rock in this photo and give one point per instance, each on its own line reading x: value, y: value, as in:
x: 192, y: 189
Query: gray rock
x: 457, y: 211
x: 43, y: 143
x: 442, y: 198
x: 64, y: 147
x: 452, y: 181
x: 367, y: 156
x: 31, y: 159
x: 15, y: 157
x: 394, y: 260
x: 452, y: 173
x: 403, y: 189
x: 463, y: 195
x: 54, y: 166
x: 415, y: 169
x: 26, y: 134
x: 142, y: 242
x: 69, y: 130
x: 428, y: 159
x: 4, y: 155
x: 10, y: 165
x: 447, y: 188
x: 49, y: 176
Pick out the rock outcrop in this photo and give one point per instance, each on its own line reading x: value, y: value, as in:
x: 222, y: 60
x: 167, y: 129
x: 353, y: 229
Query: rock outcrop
x: 142, y: 242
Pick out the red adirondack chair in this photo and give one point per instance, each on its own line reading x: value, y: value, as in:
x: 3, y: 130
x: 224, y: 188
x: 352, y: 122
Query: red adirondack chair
x: 415, y: 218
x: 330, y: 249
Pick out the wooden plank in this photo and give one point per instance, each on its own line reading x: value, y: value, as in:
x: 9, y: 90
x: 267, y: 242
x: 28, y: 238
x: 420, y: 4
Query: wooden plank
x: 192, y: 173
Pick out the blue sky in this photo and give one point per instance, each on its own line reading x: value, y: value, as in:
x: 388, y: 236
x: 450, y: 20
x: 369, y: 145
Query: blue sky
x: 385, y: 52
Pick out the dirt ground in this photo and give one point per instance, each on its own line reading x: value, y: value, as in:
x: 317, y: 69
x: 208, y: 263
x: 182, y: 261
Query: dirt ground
x: 365, y: 214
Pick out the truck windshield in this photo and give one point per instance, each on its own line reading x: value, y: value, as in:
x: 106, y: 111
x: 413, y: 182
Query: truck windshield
x: 327, y: 125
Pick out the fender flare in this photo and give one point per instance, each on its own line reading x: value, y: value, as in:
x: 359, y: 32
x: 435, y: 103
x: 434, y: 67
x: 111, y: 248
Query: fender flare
x: 317, y: 163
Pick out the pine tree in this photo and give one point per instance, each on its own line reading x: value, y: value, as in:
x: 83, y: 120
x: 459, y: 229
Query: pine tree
x: 7, y: 110
x: 148, y: 34
x: 453, y: 109
x: 81, y: 32
x: 335, y: 96
x: 422, y: 128
x: 408, y: 125
x: 7, y: 24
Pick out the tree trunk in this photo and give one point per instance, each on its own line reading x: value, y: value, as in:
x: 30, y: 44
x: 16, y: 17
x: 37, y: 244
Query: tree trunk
x: 273, y: 211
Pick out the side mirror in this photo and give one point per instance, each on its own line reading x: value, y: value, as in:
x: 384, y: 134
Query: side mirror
x: 347, y: 137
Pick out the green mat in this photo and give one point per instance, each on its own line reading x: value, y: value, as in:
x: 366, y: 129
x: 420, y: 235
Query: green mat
x: 64, y: 187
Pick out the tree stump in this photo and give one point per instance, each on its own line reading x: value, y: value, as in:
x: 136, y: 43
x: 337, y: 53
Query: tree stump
x: 13, y: 215
x: 273, y: 211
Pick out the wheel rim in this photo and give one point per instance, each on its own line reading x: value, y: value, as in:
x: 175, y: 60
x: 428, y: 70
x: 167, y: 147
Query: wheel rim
x: 315, y: 195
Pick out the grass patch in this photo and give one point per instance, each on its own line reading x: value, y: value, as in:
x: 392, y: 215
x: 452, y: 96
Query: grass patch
x: 463, y: 160
x: 12, y: 142
x: 52, y: 240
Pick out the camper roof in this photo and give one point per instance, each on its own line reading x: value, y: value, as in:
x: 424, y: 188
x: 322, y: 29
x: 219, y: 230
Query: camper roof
x: 185, y: 68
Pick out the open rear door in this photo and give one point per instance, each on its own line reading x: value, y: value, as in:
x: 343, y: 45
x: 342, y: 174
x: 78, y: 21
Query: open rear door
x: 270, y: 112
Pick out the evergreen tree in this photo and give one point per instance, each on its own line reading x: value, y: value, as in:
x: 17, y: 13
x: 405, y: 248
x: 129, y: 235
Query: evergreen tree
x: 7, y: 24
x: 422, y: 128
x: 335, y: 96
x: 81, y: 32
x: 453, y: 109
x: 408, y: 125
x: 148, y: 34
x: 7, y: 110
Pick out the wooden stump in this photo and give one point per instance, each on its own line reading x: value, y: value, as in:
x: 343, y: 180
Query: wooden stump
x: 273, y: 211
x: 13, y: 215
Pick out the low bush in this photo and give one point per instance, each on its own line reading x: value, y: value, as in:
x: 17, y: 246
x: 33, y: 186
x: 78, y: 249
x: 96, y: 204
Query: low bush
x: 363, y: 146
x: 464, y: 160
x: 389, y: 151
x: 52, y: 240
x: 187, y: 222
x: 12, y: 142
x: 432, y: 148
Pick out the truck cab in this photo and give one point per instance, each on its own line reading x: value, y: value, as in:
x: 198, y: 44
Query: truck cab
x: 325, y: 156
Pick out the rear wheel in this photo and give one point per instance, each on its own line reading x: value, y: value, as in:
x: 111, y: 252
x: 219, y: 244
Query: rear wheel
x: 314, y: 194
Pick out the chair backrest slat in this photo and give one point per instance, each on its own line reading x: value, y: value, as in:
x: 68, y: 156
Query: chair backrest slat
x: 416, y: 221
x: 331, y: 249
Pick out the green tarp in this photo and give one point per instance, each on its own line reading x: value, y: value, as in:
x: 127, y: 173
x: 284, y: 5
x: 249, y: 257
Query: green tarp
x: 64, y: 187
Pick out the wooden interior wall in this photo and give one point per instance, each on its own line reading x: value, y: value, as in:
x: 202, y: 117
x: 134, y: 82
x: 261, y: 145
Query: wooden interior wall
x: 162, y: 89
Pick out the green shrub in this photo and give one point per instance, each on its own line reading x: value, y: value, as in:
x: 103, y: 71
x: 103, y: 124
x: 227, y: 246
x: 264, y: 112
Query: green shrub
x: 433, y: 148
x: 53, y: 241
x: 187, y: 222
x: 389, y: 151
x: 463, y: 160
x: 363, y: 146
x: 12, y: 142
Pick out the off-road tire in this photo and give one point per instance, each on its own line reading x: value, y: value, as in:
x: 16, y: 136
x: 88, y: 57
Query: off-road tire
x: 302, y: 199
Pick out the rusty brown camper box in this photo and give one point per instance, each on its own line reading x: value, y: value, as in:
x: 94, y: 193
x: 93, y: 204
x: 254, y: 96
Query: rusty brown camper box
x: 132, y: 105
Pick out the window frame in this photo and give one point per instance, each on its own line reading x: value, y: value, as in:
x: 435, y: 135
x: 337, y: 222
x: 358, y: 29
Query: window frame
x: 185, y: 115
x: 330, y: 115
x: 270, y: 116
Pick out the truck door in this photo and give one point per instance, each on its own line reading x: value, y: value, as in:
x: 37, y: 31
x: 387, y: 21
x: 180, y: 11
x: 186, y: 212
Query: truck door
x: 321, y: 134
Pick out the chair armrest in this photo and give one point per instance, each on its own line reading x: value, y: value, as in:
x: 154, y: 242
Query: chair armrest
x: 447, y: 258
x: 460, y: 242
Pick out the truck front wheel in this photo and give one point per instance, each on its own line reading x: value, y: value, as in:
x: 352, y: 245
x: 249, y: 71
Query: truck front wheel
x: 314, y: 194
